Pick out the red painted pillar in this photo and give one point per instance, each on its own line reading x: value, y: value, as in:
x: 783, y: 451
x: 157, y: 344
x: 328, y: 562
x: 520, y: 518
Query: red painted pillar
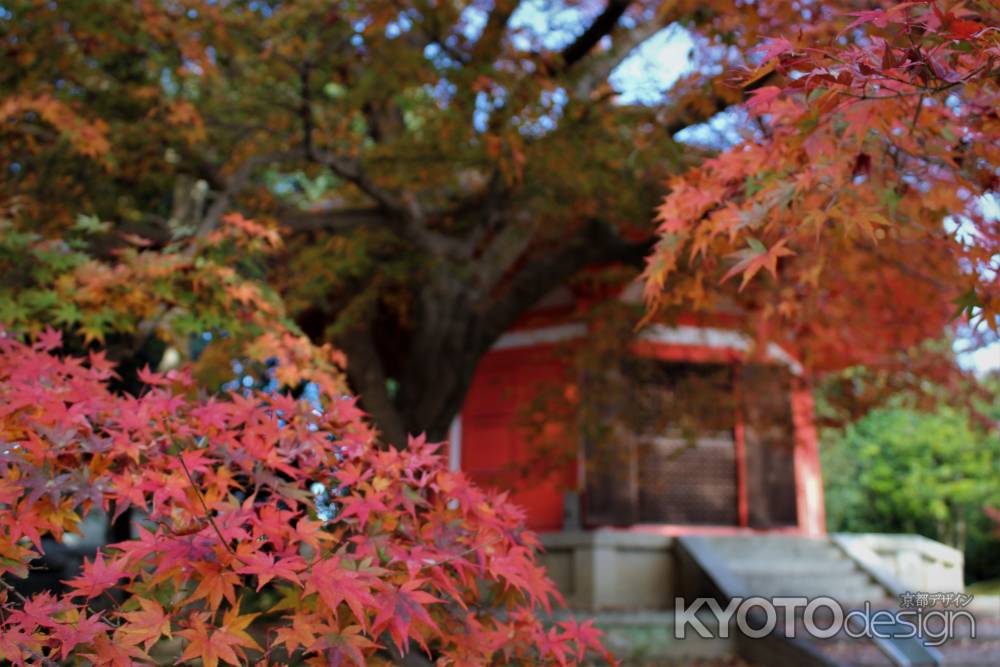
x: 739, y: 437
x: 808, y: 479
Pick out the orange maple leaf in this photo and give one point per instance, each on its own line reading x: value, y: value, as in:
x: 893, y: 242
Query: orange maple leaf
x: 214, y: 584
x: 224, y: 643
x: 755, y: 258
x: 145, y: 626
x: 113, y: 653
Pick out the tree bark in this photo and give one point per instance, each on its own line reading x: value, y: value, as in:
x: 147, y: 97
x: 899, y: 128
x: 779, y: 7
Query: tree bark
x: 454, y: 332
x: 430, y: 363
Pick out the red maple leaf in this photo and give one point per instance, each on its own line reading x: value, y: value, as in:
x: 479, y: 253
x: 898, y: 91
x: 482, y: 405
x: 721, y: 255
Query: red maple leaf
x: 399, y: 608
x: 97, y: 577
x: 335, y: 583
x: 755, y: 258
x: 362, y: 507
x: 214, y: 583
x: 146, y: 376
x: 113, y: 653
x: 49, y: 339
x: 80, y: 630
x: 39, y: 611
x: 266, y: 567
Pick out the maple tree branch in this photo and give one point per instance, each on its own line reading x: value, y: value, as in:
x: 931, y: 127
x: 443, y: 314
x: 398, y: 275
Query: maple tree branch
x: 204, y: 505
x: 687, y: 113
x: 401, y: 212
x: 916, y: 115
x: 234, y: 184
x: 430, y: 26
x: 906, y: 269
x: 600, y: 67
x: 503, y: 251
x: 460, y: 324
x: 715, y: 96
x: 921, y: 92
x: 431, y: 562
x: 491, y: 39
x: 352, y: 171
x: 13, y: 590
x: 115, y: 603
x: 595, y: 241
x: 332, y: 219
x: 601, y: 26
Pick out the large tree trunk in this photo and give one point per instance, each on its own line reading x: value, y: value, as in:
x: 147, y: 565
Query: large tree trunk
x: 453, y: 326
x: 433, y: 377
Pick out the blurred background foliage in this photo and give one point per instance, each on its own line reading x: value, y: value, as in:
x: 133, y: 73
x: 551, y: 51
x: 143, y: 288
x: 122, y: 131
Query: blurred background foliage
x: 906, y: 467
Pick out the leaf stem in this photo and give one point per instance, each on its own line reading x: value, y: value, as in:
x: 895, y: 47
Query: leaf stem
x: 204, y: 505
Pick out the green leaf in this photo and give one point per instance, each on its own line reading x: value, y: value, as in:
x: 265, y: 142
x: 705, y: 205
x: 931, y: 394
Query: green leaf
x: 967, y: 304
x: 67, y: 313
x: 40, y: 299
x: 91, y: 224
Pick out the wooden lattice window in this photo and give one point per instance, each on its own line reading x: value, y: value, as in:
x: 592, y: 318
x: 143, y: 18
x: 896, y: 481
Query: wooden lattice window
x: 694, y: 444
x: 669, y: 454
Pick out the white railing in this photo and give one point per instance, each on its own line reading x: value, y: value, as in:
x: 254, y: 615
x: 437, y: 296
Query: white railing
x: 911, y: 562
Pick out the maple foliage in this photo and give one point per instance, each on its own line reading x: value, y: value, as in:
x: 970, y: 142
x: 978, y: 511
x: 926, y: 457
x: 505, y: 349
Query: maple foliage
x: 862, y: 192
x: 226, y: 491
x: 170, y: 294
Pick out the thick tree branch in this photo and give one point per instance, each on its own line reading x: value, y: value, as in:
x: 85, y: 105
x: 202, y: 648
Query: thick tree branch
x: 596, y: 241
x: 601, y: 26
x: 491, y: 40
x: 503, y: 251
x: 234, y: 184
x: 599, y: 68
x: 710, y: 97
x: 460, y: 329
x: 351, y: 170
x: 402, y: 212
x: 332, y: 219
x: 686, y: 113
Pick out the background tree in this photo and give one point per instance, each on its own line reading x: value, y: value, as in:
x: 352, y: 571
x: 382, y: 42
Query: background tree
x: 436, y: 168
x: 459, y: 166
x: 903, y: 470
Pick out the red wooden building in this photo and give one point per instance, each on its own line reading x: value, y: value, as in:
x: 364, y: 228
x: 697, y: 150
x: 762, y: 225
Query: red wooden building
x: 746, y: 459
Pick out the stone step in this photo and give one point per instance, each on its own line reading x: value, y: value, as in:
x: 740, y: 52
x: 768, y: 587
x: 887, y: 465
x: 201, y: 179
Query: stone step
x: 850, y: 586
x: 769, y: 541
x: 800, y: 566
x: 788, y: 565
x: 778, y: 548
